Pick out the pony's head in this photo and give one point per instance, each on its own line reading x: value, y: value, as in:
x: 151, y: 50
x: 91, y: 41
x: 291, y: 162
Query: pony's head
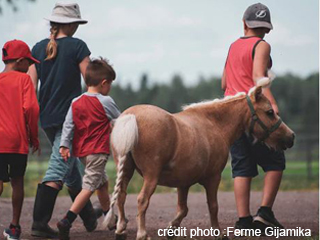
x: 264, y: 124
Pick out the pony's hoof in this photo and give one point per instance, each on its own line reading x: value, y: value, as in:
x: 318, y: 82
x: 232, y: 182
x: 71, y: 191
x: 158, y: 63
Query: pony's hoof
x: 173, y: 228
x: 171, y: 238
x: 122, y: 236
x: 146, y: 237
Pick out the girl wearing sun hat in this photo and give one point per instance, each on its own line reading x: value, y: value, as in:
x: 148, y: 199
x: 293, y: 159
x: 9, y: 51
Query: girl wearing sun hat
x: 63, y: 59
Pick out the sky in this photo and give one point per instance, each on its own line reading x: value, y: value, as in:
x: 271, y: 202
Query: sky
x: 163, y: 38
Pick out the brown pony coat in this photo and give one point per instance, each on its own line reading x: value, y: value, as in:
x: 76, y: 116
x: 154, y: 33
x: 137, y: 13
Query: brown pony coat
x: 179, y: 150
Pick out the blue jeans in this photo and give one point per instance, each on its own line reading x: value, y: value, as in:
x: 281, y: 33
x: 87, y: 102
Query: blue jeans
x: 60, y: 171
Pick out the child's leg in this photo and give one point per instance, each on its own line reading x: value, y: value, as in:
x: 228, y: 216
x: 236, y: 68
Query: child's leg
x: 242, y: 195
x: 65, y: 224
x: 272, y: 182
x: 4, y: 170
x: 273, y: 163
x: 17, y: 184
x: 103, y: 195
x: 80, y: 201
x: 18, y: 164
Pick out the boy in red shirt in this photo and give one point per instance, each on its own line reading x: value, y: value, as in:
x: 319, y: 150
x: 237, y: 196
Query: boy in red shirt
x: 19, y: 111
x: 247, y: 66
x: 87, y: 126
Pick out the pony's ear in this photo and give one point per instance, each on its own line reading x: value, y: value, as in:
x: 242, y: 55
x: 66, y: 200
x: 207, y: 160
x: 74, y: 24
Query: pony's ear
x: 257, y: 94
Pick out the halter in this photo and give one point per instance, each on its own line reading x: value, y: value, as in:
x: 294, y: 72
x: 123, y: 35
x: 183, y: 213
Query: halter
x: 255, y: 119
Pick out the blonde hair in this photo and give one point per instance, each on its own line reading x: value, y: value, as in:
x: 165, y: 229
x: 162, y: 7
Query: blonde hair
x: 52, y: 47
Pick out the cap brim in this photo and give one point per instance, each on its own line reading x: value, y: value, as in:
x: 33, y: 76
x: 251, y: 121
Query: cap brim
x: 259, y: 24
x: 65, y: 20
x: 34, y: 60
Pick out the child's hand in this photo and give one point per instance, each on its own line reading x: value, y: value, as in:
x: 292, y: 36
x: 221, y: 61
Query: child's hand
x: 65, y: 153
x: 36, y: 148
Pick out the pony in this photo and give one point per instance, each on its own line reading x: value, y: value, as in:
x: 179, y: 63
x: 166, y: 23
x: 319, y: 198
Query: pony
x: 182, y: 149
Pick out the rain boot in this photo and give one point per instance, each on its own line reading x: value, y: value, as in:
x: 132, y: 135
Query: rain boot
x: 42, y: 212
x: 88, y: 214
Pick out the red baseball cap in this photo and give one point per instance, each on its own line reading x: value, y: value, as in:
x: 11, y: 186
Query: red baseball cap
x: 16, y: 49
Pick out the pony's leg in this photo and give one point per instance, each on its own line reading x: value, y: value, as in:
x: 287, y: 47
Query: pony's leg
x: 149, y: 186
x: 182, y: 208
x: 128, y: 170
x: 211, y: 186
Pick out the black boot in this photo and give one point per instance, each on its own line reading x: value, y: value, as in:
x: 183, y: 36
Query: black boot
x: 88, y: 214
x: 42, y: 212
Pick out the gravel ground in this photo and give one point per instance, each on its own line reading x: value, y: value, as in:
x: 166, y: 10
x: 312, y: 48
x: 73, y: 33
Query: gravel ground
x: 292, y: 209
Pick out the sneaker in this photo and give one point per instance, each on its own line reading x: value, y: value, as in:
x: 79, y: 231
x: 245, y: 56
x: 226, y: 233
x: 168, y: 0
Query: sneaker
x: 12, y: 233
x: 64, y: 229
x: 265, y: 217
x: 244, y: 225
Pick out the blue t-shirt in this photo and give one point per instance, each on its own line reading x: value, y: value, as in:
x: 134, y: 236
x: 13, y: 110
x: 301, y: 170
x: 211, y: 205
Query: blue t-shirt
x: 60, y: 78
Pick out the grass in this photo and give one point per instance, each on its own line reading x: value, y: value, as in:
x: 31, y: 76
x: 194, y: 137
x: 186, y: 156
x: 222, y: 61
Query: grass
x: 295, y: 178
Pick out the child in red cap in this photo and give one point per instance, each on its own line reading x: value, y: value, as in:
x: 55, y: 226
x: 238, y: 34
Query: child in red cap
x: 19, y: 111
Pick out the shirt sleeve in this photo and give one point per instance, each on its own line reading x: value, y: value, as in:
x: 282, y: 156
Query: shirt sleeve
x: 31, y: 111
x: 67, y: 131
x: 82, y: 51
x: 110, y: 107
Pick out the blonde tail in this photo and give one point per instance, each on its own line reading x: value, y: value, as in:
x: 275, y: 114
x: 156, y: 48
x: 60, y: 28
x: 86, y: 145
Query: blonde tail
x: 124, y: 137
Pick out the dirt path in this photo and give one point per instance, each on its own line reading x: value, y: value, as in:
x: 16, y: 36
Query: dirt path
x: 293, y: 209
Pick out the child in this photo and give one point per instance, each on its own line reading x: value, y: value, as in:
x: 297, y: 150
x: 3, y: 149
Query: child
x: 62, y: 61
x: 88, y: 122
x: 19, y: 111
x: 246, y: 66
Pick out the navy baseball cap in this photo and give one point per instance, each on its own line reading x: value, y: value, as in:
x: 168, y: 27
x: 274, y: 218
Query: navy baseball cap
x: 257, y: 16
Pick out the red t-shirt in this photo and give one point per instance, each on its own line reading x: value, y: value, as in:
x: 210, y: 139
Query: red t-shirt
x: 92, y: 128
x: 19, y: 113
x: 239, y: 65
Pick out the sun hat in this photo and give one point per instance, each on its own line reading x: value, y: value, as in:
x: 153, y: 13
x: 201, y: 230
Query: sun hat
x: 66, y: 13
x: 16, y: 49
x: 258, y: 15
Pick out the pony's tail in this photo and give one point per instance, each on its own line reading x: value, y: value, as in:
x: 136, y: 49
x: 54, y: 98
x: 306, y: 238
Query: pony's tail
x: 124, y: 137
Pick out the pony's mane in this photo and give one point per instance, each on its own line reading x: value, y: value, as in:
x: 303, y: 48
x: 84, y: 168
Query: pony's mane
x: 209, y: 102
x: 251, y: 91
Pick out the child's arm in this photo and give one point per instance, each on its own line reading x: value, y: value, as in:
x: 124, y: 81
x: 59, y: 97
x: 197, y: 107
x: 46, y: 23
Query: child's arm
x: 260, y: 68
x: 34, y: 76
x: 31, y: 113
x: 67, y: 135
x: 83, y: 66
x: 110, y: 107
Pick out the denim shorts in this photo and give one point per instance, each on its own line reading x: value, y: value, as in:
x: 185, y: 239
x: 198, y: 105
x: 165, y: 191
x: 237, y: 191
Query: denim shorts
x: 246, y: 157
x: 60, y: 171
